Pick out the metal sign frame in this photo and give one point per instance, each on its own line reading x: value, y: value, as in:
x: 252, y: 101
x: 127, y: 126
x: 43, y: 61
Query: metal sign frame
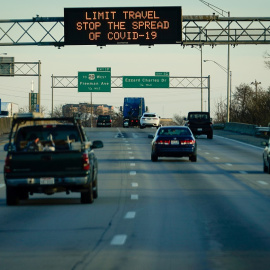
x: 197, y: 30
x: 117, y: 82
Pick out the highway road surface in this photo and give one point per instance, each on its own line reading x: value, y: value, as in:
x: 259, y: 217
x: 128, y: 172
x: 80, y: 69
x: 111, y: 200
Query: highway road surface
x: 213, y: 214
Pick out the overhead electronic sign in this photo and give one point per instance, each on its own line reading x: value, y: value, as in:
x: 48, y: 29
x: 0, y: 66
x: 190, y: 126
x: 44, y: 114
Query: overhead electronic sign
x: 138, y: 25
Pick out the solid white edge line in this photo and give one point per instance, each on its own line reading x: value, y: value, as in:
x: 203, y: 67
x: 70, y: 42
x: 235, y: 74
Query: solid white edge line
x: 262, y: 182
x: 2, y: 185
x: 261, y: 148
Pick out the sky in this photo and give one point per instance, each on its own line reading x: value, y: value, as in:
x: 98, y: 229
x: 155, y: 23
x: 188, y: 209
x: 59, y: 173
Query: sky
x: 247, y: 62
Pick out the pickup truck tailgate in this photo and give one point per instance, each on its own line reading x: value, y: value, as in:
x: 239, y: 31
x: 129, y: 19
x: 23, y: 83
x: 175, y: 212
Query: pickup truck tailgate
x: 42, y: 164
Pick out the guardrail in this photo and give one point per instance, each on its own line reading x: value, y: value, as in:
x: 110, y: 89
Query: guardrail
x: 245, y: 129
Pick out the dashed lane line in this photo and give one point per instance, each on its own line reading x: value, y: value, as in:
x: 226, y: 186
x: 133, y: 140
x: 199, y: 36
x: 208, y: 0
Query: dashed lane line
x: 130, y: 215
x: 119, y: 240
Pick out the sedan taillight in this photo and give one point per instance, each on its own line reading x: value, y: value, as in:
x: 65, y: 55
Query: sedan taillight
x: 187, y: 142
x: 165, y: 142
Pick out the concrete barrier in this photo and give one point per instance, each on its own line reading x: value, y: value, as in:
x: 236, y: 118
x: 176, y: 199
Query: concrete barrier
x: 5, y: 125
x: 241, y: 128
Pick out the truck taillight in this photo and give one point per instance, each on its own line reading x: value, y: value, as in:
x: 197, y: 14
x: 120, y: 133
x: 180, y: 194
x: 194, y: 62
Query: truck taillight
x: 7, y: 168
x: 86, y: 163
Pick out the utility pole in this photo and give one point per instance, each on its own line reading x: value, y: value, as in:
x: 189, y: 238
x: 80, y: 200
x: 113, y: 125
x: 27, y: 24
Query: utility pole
x: 256, y: 86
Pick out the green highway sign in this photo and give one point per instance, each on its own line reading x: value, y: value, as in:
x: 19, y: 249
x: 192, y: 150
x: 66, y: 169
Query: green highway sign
x: 104, y: 69
x: 162, y: 73
x: 95, y: 81
x: 146, y: 82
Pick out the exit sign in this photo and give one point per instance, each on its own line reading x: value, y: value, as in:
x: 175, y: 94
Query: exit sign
x: 95, y: 81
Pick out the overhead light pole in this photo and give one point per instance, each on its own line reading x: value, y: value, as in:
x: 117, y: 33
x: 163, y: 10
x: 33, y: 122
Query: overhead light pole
x: 3, y: 53
x: 229, y: 84
x: 221, y: 12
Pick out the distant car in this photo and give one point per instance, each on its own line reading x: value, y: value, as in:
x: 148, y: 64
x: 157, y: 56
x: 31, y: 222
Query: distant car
x: 104, y: 121
x: 150, y: 120
x: 174, y: 141
x: 266, y: 157
x: 200, y: 123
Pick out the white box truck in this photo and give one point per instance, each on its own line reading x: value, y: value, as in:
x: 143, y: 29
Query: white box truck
x: 8, y: 109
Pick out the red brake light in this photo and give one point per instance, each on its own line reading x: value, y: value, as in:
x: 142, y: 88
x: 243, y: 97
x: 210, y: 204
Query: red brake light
x: 188, y: 142
x: 86, y: 163
x: 165, y: 142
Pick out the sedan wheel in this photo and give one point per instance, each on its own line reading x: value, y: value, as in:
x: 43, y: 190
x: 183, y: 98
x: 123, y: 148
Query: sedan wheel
x: 154, y: 157
x: 265, y: 168
x: 193, y: 158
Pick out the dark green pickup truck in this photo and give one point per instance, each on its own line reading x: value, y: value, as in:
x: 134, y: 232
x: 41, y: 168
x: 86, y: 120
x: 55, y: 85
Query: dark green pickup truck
x: 49, y: 155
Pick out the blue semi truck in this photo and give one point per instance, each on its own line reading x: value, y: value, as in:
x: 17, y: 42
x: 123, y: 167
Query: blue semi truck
x: 133, y: 109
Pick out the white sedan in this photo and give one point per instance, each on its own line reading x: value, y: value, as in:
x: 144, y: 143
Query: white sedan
x: 150, y: 120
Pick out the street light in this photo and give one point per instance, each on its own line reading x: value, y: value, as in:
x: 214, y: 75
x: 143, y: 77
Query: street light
x: 228, y: 86
x: 3, y: 53
x: 221, y: 12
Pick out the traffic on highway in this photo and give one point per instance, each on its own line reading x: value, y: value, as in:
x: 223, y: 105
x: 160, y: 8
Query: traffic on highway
x: 169, y: 214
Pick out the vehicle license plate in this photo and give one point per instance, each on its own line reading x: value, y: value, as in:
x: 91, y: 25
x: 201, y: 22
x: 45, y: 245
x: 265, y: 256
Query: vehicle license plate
x: 174, y: 142
x: 47, y: 181
x: 199, y: 129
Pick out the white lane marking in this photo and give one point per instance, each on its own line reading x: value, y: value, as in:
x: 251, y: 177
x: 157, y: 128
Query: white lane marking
x: 132, y: 164
x: 262, y: 182
x: 130, y: 215
x: 135, y: 136
x: 2, y: 185
x: 243, y: 172
x: 216, y: 158
x: 206, y: 153
x: 134, y: 185
x: 130, y: 152
x: 119, y: 239
x: 228, y: 164
x: 132, y: 172
x: 129, y: 148
x: 134, y: 197
x: 131, y: 157
x: 250, y: 145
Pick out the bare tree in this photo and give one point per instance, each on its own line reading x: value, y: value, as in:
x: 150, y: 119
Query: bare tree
x: 178, y: 119
x: 267, y: 59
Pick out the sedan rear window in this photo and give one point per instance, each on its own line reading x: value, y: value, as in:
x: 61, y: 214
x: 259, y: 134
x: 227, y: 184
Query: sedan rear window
x: 174, y: 131
x: 149, y: 115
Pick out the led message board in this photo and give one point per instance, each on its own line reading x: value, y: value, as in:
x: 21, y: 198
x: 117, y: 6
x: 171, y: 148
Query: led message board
x: 140, y: 25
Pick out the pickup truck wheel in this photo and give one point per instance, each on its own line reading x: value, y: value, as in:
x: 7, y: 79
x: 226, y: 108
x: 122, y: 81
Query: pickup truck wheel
x: 12, y: 196
x: 95, y: 188
x: 87, y: 196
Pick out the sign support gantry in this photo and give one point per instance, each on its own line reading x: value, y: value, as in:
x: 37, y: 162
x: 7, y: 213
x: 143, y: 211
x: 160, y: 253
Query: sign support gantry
x: 197, y: 30
x: 117, y: 82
